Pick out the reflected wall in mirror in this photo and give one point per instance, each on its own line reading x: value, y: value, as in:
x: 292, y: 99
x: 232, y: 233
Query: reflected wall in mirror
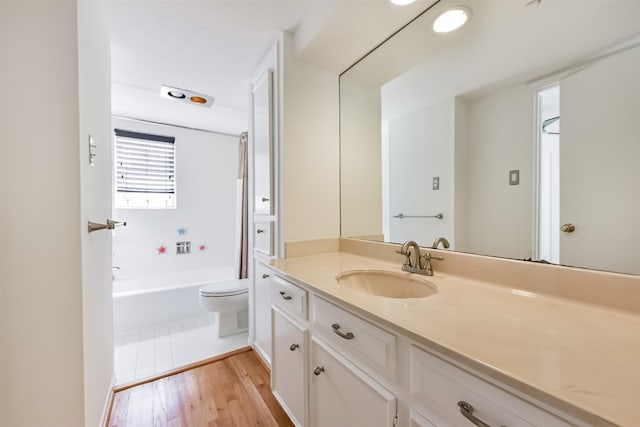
x: 522, y: 128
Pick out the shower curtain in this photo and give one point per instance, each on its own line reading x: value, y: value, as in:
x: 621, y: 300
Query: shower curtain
x: 242, y: 222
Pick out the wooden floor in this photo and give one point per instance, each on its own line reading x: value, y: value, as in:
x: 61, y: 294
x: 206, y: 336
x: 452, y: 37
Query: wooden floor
x: 234, y: 391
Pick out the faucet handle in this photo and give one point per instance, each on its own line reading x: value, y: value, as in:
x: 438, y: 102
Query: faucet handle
x: 428, y: 256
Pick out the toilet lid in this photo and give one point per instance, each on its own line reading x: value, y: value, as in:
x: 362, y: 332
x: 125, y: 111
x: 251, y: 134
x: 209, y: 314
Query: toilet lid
x: 225, y: 288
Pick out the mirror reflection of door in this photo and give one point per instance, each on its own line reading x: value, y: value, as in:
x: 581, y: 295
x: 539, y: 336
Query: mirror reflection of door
x: 548, y: 132
x: 599, y: 173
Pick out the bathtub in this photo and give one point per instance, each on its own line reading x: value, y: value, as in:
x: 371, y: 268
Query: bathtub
x: 159, y: 299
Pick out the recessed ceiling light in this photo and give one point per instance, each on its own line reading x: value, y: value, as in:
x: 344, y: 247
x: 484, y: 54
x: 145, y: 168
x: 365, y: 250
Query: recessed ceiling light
x: 176, y: 94
x: 451, y: 19
x: 402, y: 2
x: 198, y: 100
x: 186, y: 96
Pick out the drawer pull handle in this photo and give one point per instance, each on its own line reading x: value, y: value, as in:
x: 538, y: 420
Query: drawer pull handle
x: 287, y: 297
x: 293, y: 347
x: 336, y: 329
x: 467, y: 411
x: 264, y: 276
x: 259, y: 230
x: 265, y: 199
x: 318, y: 370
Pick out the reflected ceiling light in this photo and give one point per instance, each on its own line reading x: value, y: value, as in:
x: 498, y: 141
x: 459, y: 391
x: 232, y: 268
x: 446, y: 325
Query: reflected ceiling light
x: 402, y: 2
x: 176, y: 94
x: 451, y: 19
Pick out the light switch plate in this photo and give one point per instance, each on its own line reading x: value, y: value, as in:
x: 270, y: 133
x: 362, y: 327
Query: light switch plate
x: 436, y: 183
x: 514, y: 177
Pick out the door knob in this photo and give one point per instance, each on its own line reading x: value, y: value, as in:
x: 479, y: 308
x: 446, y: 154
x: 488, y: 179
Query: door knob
x: 567, y: 228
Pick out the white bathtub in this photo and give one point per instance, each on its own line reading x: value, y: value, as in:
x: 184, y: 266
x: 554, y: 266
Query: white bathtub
x: 156, y: 300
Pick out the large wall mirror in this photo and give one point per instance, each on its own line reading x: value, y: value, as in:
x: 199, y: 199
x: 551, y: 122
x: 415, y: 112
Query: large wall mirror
x: 516, y: 135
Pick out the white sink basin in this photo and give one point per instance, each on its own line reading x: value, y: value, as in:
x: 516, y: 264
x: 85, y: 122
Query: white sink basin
x: 387, y: 283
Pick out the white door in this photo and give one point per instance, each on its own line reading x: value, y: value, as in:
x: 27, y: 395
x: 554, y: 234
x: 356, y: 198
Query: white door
x: 95, y: 181
x: 599, y: 173
x: 340, y: 394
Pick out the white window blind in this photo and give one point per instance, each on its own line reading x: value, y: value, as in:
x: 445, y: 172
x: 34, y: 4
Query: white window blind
x: 145, y: 169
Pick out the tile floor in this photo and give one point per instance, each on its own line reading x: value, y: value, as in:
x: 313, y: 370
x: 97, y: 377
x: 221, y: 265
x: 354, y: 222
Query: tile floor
x: 148, y: 352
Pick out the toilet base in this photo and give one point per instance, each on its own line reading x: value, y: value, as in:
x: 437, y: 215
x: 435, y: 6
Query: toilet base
x: 232, y: 323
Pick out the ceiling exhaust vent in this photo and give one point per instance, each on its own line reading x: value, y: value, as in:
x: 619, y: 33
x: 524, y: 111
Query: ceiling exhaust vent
x: 186, y: 96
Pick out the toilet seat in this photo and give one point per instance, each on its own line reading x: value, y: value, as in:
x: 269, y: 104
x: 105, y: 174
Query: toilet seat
x: 225, y: 288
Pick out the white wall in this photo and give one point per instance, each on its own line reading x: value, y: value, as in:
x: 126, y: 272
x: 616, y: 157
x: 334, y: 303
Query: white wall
x: 421, y: 147
x: 499, y: 215
x: 311, y: 149
x: 41, y: 312
x: 461, y: 178
x: 206, y: 177
x: 360, y: 160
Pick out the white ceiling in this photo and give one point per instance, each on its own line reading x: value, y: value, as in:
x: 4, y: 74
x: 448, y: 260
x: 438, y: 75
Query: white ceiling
x: 212, y: 47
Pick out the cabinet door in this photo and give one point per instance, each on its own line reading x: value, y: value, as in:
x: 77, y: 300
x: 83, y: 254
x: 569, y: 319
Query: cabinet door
x: 262, y: 311
x: 340, y: 394
x: 288, y: 365
x: 262, y: 94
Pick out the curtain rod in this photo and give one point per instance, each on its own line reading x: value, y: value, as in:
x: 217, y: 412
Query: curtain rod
x: 175, y: 126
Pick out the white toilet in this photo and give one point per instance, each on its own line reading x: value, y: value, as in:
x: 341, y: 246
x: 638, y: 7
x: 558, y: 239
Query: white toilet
x: 229, y: 301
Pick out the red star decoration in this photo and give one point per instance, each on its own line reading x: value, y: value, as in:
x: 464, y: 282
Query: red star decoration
x: 162, y: 250
x: 203, y: 247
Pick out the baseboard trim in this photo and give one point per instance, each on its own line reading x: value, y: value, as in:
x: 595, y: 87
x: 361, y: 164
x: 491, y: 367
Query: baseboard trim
x: 108, y: 405
x: 262, y: 357
x: 179, y: 370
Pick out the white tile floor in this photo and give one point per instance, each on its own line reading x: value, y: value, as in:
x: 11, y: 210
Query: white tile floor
x: 149, y: 352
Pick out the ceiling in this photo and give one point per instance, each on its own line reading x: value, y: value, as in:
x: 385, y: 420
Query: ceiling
x: 212, y: 47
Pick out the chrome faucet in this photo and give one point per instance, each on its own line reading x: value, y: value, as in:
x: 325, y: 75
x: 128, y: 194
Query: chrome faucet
x: 420, y: 264
x: 439, y: 240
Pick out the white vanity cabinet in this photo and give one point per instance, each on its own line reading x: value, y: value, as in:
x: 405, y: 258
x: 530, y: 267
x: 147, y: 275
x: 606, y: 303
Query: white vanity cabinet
x: 262, y: 106
x: 341, y: 394
x: 289, y: 363
x: 262, y: 310
x: 349, y: 370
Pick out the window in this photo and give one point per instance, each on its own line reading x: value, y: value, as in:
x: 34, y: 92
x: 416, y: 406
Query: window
x: 145, y: 170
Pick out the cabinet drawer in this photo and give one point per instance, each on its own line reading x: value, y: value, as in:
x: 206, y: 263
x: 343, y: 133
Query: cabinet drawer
x: 437, y: 386
x: 262, y: 274
x: 357, y: 337
x: 289, y: 297
x: 262, y: 237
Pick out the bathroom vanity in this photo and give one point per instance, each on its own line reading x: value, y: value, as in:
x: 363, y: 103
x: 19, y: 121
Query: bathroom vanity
x: 469, y: 352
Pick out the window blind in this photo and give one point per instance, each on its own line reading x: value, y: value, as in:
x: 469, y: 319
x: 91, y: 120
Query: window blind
x: 145, y: 163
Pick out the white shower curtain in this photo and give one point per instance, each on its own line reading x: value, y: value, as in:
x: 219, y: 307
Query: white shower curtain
x: 242, y: 209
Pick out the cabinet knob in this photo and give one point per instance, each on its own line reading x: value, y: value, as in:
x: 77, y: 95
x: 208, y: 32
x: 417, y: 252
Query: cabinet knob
x: 318, y: 370
x: 293, y: 347
x: 467, y: 411
x: 265, y: 199
x: 259, y: 230
x: 264, y: 276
